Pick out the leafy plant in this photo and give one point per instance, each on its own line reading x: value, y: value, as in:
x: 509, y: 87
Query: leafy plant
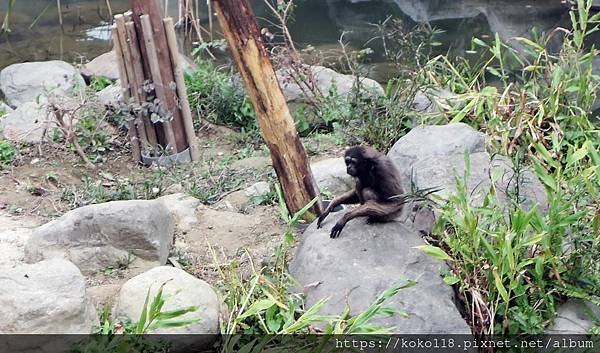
x: 98, y: 83
x: 217, y: 97
x: 508, y: 262
x: 113, y: 336
x: 8, y: 153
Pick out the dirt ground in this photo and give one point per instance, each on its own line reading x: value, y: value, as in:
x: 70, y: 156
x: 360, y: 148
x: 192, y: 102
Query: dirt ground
x: 49, y: 180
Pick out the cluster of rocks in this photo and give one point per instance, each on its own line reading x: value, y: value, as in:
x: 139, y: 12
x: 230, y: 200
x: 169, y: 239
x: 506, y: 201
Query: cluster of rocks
x: 44, y: 274
x: 28, y: 87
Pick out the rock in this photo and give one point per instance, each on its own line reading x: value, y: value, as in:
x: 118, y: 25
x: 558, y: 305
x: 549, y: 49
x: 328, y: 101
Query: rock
x: 48, y: 297
x: 325, y: 80
x: 183, y: 210
x: 441, y: 172
x: 181, y: 290
x: 433, y: 156
x: 13, y: 237
x: 330, y: 174
x: 509, y: 22
x: 260, y: 189
x: 435, y: 140
x: 176, y: 188
x: 531, y: 190
x: 111, y: 96
x: 365, y: 261
x: 105, y: 65
x: 96, y: 236
x: 24, y: 82
x: 26, y: 124
x: 572, y: 318
x: 433, y: 100
x: 235, y: 201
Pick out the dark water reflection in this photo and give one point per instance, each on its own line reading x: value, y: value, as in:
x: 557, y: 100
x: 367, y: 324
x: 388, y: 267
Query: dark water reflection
x: 316, y: 22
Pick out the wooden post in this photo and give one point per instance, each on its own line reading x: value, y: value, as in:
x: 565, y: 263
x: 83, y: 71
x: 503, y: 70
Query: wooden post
x: 277, y: 126
x: 188, y: 122
x: 152, y: 9
x: 138, y: 69
x: 133, y: 138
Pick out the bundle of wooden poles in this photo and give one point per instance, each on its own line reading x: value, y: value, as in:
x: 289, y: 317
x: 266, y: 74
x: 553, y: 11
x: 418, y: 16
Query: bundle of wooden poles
x: 152, y: 81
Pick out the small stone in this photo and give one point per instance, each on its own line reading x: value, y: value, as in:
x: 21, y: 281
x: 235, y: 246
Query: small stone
x: 260, y: 189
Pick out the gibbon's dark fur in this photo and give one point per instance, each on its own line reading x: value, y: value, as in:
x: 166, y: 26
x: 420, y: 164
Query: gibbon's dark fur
x: 378, y: 189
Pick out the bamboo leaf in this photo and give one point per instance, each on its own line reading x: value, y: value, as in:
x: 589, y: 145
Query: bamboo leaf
x: 434, y: 252
x: 257, y: 307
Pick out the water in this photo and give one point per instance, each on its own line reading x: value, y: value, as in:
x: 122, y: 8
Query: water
x: 86, y: 32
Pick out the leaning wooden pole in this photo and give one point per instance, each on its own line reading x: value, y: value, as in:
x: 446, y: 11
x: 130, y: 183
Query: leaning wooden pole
x: 277, y: 126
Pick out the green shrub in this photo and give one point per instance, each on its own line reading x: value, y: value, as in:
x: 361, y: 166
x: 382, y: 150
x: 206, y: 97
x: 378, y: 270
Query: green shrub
x: 98, y: 83
x: 8, y: 153
x: 217, y: 97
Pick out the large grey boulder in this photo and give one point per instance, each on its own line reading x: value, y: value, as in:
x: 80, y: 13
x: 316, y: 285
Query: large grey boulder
x: 515, y: 20
x: 26, y: 124
x: 435, y: 140
x: 96, y: 236
x: 25, y: 82
x: 325, y: 80
x: 45, y: 298
x: 432, y: 100
x: 575, y: 317
x: 363, y: 262
x: 433, y: 156
x: 181, y: 290
x: 330, y: 174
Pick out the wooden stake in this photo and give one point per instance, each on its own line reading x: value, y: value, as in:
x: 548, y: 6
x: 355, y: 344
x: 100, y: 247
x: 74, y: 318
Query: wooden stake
x: 159, y: 87
x: 277, y: 126
x: 139, y: 82
x: 135, y: 143
x: 156, y: 31
x: 128, y: 63
x: 184, y: 104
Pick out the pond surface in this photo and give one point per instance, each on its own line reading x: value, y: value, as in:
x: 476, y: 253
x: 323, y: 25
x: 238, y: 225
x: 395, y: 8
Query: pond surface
x: 36, y: 34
